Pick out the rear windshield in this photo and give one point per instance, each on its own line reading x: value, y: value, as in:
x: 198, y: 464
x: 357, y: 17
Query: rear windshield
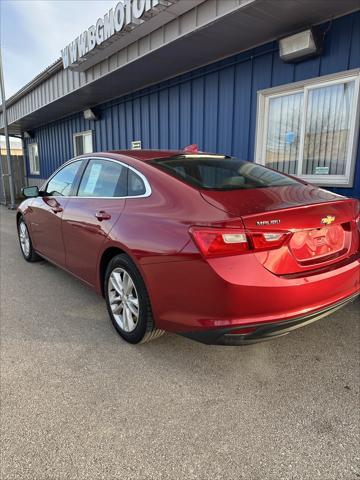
x: 215, y: 172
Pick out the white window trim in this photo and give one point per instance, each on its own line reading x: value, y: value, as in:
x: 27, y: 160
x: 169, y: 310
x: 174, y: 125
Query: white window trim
x: 81, y: 134
x: 31, y: 170
x: 263, y: 98
x: 147, y: 193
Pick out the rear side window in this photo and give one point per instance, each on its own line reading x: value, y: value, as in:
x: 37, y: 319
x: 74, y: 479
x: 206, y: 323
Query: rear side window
x: 136, y: 185
x: 215, y: 172
x: 103, y: 178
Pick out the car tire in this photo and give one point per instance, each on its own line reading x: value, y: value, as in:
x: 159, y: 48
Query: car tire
x: 26, y: 247
x: 128, y: 301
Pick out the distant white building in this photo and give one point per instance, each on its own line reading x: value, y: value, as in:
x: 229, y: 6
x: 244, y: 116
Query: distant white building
x: 15, y: 146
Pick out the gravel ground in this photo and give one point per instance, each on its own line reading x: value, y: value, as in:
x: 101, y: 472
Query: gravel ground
x: 79, y: 403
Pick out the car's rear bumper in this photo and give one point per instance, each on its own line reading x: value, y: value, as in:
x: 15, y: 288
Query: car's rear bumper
x: 259, y: 332
x: 237, y: 292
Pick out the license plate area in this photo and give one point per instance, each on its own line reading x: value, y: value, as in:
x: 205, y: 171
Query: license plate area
x: 319, y: 244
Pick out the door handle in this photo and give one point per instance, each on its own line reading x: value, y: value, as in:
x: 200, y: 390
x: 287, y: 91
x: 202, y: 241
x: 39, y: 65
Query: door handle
x: 57, y: 209
x: 102, y: 215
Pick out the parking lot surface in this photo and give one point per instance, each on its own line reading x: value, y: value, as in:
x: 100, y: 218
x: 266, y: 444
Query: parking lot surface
x: 79, y: 403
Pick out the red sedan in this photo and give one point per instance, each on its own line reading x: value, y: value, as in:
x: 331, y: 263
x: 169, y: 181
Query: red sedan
x: 208, y: 246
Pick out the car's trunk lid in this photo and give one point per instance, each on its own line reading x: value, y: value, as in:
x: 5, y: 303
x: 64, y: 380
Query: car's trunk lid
x: 321, y: 224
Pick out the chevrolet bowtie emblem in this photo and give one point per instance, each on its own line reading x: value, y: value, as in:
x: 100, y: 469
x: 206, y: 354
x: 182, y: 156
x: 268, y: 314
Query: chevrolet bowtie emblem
x: 327, y: 220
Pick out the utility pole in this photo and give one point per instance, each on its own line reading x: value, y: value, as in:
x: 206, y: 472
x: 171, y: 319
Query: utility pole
x: 2, y: 185
x: 12, y: 204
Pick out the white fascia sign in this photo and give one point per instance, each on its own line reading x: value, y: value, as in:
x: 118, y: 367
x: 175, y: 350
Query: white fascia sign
x: 126, y: 15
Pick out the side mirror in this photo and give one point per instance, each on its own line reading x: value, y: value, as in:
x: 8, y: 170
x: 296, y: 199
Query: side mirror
x: 30, y: 192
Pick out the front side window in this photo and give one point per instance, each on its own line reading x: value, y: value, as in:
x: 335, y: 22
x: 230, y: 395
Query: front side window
x: 83, y: 143
x: 311, y: 131
x: 34, y: 164
x: 104, y: 178
x: 216, y: 172
x: 61, y: 184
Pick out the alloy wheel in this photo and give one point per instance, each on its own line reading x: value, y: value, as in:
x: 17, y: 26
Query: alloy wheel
x: 24, y: 239
x: 123, y: 299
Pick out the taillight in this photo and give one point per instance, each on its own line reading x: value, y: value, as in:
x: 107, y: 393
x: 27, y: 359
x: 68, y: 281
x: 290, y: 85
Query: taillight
x: 268, y: 240
x: 358, y: 226
x: 357, y: 223
x: 215, y: 242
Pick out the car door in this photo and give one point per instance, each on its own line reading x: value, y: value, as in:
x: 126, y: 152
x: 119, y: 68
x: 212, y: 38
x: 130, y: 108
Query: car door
x: 90, y: 215
x: 47, y: 211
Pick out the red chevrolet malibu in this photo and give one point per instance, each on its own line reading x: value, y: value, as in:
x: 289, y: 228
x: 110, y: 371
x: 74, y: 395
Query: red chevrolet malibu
x: 208, y: 246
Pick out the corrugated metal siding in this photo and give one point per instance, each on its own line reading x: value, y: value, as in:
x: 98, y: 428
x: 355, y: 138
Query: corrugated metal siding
x: 214, y: 106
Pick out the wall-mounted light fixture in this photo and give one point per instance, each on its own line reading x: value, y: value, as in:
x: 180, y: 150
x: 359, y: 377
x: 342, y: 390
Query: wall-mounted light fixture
x: 301, y: 45
x: 90, y: 114
x: 28, y: 135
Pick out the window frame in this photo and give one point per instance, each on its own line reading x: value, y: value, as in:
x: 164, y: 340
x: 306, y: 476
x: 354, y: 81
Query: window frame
x: 30, y: 148
x: 263, y: 100
x: 82, y: 134
x: 85, y: 161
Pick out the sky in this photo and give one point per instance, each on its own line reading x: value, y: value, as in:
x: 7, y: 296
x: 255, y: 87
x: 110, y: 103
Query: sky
x: 33, y: 32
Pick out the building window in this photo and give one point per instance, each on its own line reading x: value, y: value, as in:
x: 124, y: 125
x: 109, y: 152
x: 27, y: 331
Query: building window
x: 83, y: 143
x: 309, y: 129
x: 34, y: 165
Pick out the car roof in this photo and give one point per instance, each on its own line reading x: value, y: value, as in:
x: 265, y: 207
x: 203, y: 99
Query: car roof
x: 146, y: 155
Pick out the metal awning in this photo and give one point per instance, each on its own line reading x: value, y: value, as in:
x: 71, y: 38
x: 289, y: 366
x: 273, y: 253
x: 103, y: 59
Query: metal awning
x: 248, y: 24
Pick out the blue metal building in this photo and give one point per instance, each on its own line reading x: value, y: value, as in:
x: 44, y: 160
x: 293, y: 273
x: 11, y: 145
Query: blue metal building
x: 301, y: 117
